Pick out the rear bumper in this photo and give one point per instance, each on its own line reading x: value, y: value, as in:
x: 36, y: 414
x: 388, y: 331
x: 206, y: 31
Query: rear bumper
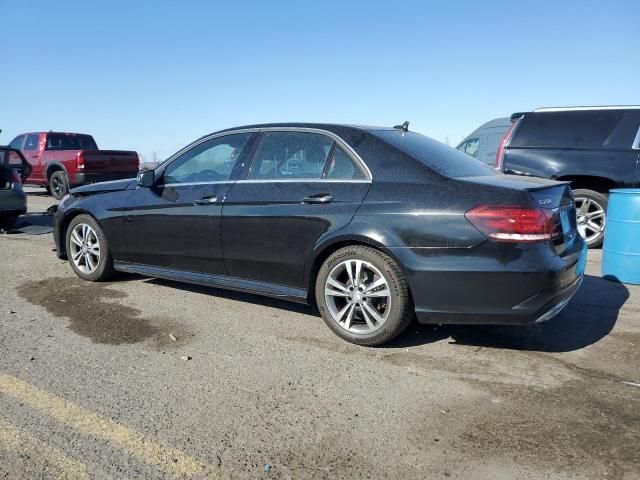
x: 84, y: 178
x: 13, y: 202
x: 493, y: 285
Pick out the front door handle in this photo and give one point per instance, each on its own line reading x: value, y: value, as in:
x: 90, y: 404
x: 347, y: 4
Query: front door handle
x: 205, y: 201
x: 318, y: 198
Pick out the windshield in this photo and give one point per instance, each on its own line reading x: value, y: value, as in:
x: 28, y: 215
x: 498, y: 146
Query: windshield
x: 435, y: 155
x: 57, y: 141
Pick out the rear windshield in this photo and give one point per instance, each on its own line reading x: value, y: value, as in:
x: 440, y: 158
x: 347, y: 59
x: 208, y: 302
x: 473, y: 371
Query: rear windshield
x: 578, y: 129
x: 435, y: 155
x: 70, y: 142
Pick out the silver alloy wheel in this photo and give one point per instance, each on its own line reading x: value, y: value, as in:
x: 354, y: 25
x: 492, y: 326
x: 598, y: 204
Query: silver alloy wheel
x: 357, y: 296
x: 591, y: 218
x: 85, y: 248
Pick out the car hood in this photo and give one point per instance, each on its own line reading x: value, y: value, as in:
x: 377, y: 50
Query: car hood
x: 103, y: 187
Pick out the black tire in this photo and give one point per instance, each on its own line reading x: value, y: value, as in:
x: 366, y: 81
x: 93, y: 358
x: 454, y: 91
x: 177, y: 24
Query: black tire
x: 104, y: 268
x: 597, y: 201
x: 401, y: 306
x: 8, y: 221
x: 58, y: 184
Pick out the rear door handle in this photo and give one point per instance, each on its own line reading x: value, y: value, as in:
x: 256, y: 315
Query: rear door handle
x: 318, y: 198
x: 205, y: 201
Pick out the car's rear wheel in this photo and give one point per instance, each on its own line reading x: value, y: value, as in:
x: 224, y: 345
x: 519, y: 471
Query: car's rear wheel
x: 363, y: 296
x: 58, y: 184
x: 591, y: 210
x: 88, y: 249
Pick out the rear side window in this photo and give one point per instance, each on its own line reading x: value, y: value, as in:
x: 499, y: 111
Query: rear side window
x: 471, y: 147
x: 290, y: 156
x: 32, y: 143
x: 342, y: 167
x: 579, y: 129
x: 70, y: 142
x: 491, y: 150
x: 435, y: 155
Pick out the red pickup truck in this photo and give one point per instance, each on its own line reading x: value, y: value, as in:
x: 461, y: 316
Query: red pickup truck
x: 63, y: 160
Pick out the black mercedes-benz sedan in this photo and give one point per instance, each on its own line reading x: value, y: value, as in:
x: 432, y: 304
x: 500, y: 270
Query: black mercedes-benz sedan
x: 374, y: 225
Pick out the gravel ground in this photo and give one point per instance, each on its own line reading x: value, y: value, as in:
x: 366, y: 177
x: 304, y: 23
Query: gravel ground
x: 92, y: 385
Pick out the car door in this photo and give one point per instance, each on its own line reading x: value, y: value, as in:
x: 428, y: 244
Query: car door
x: 31, y: 151
x: 301, y: 185
x: 175, y: 224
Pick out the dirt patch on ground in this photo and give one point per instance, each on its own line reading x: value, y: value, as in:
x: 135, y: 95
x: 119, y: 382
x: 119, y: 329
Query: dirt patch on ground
x: 94, y: 311
x: 590, y: 422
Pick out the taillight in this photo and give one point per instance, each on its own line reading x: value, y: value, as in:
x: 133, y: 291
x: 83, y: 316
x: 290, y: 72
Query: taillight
x: 513, y: 223
x: 80, y: 160
x: 503, y: 143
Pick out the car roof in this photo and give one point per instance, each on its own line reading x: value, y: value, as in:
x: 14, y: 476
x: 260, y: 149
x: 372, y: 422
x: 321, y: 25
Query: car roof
x: 587, y: 108
x: 320, y: 126
x: 502, y: 122
x: 55, y: 133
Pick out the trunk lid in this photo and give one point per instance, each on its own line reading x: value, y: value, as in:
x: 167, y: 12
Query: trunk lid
x: 554, y: 198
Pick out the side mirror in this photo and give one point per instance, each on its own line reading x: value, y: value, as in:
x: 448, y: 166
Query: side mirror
x: 146, y: 178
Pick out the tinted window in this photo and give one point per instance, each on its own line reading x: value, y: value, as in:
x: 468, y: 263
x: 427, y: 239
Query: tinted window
x: 32, y: 143
x: 17, y: 142
x: 57, y: 141
x: 290, y: 155
x: 341, y: 166
x: 470, y: 147
x: 491, y: 148
x: 580, y: 129
x: 437, y: 156
x: 211, y: 161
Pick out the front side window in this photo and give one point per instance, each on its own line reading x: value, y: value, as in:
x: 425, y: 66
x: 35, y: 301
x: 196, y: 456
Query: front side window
x: 290, y: 156
x: 32, y: 143
x: 470, y: 147
x: 17, y: 142
x: 211, y: 161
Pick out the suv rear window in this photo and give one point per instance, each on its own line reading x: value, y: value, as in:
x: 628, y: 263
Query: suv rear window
x: 435, y: 155
x: 578, y: 129
x: 70, y: 142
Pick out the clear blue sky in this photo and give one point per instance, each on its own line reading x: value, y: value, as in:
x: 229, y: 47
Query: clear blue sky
x: 154, y: 75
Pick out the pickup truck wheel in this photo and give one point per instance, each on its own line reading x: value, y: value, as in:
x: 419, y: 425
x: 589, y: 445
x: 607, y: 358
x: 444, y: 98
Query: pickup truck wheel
x: 591, y: 211
x: 58, y: 184
x: 88, y: 249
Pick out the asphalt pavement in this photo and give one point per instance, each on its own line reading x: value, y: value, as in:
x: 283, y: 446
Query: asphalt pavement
x: 143, y: 378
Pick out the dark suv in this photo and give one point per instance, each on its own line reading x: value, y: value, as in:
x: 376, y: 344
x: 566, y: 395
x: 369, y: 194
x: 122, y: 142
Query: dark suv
x: 596, y: 148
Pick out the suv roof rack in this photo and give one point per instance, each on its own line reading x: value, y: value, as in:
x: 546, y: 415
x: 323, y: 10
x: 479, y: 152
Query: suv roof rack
x: 596, y: 107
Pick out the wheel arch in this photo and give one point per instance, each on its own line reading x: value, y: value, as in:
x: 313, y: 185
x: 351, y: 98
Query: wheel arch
x: 64, y: 226
x: 323, y: 251
x: 590, y: 182
x: 55, y: 167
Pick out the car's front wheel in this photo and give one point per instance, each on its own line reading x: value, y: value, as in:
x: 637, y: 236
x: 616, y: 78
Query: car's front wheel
x: 363, y: 296
x: 88, y: 249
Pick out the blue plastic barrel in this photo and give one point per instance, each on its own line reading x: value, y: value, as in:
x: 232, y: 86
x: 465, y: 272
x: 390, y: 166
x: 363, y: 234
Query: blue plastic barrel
x: 621, y: 251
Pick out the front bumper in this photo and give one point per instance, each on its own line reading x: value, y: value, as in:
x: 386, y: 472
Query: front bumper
x: 493, y: 284
x: 84, y: 178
